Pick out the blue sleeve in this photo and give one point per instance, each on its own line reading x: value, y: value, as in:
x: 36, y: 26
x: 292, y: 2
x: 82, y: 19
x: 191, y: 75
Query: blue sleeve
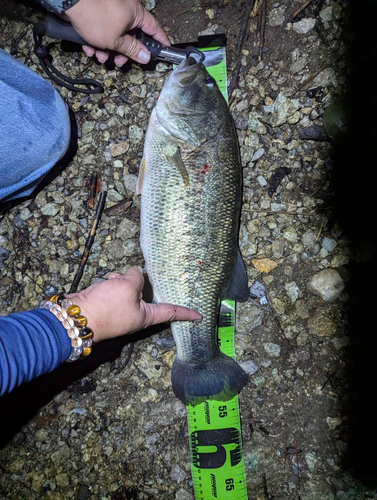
x: 57, y: 6
x: 31, y: 343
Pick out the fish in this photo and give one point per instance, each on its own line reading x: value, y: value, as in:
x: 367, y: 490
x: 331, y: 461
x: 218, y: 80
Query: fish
x: 190, y: 181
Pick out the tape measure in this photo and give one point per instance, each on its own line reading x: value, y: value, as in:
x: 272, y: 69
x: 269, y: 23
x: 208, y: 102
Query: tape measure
x: 217, y: 464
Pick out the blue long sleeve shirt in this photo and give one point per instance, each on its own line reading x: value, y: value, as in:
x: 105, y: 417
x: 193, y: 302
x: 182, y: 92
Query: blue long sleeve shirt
x: 31, y: 343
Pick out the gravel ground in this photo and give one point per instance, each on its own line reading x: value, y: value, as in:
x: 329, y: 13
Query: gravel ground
x: 112, y: 429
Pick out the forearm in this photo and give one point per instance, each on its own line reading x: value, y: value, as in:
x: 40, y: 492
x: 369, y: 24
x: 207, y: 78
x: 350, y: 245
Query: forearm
x: 31, y: 343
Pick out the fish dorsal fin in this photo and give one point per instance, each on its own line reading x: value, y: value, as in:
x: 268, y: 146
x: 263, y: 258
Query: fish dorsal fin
x: 140, y: 179
x: 174, y: 154
x: 237, y: 288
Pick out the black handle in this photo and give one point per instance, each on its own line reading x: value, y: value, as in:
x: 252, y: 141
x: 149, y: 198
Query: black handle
x: 61, y: 30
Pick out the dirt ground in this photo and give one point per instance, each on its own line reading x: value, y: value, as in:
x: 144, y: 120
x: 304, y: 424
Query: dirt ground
x: 110, y: 427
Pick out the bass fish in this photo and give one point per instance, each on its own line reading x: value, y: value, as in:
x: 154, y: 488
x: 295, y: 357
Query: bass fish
x: 190, y: 182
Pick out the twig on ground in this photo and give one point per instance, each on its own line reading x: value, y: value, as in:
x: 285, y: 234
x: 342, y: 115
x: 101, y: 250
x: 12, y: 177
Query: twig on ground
x: 278, y: 213
x: 89, y: 242
x: 265, y: 490
x: 262, y: 28
x: 300, y: 9
x: 92, y: 189
x: 241, y: 40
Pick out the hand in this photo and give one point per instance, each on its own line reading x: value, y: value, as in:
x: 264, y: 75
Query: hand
x: 105, y: 23
x: 115, y: 306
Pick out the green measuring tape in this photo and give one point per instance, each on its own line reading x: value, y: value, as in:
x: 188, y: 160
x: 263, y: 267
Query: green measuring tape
x: 217, y: 465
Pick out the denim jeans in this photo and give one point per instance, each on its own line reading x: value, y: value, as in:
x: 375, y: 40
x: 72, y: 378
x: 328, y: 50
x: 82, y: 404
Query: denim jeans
x: 34, y: 128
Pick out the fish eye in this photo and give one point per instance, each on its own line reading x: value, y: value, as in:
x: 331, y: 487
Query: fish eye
x: 209, y: 81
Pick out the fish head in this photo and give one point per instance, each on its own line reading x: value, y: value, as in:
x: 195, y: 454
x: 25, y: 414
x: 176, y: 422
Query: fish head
x: 190, y: 106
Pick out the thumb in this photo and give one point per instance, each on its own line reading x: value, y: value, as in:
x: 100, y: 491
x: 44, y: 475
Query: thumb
x: 130, y: 47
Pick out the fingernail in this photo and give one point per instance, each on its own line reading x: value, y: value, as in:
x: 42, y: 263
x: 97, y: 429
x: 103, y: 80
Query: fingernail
x: 199, y: 319
x: 144, y: 56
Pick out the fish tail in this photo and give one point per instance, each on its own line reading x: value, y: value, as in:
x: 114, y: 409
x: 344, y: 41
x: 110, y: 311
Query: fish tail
x: 220, y: 378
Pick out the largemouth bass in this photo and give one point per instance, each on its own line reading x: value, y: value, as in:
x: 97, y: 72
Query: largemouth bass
x: 191, y: 190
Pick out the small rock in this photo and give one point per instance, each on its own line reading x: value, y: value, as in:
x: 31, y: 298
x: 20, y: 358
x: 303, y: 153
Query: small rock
x: 114, y: 196
x: 130, y: 182
x: 304, y: 26
x: 302, y: 309
x: 119, y: 148
x: 258, y: 290
x: 249, y: 366
x: 309, y: 239
x: 328, y: 284
x: 61, y: 455
x: 264, y: 265
x: 328, y: 244
x: 333, y: 423
x: 290, y: 235
x: 135, y: 134
x: 62, y: 480
x: 278, y: 305
x: 273, y: 350
x: 177, y: 474
x: 278, y: 248
x: 127, y: 229
x: 248, y: 317
x: 262, y: 181
x: 276, y: 16
x: 84, y: 492
x: 50, y: 209
x: 183, y: 495
x: 258, y: 154
x: 293, y: 291
x: 41, y: 435
x: 322, y: 325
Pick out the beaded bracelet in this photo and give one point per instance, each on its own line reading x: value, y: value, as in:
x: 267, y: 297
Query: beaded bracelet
x: 69, y: 315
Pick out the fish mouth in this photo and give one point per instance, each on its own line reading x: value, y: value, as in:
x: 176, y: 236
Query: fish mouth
x: 187, y: 72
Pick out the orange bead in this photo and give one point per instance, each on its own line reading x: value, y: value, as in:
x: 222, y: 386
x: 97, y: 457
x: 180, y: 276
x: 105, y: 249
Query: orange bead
x: 73, y: 310
x: 80, y: 321
x: 86, y: 351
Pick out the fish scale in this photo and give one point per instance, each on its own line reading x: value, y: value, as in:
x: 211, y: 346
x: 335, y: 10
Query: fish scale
x: 189, y: 225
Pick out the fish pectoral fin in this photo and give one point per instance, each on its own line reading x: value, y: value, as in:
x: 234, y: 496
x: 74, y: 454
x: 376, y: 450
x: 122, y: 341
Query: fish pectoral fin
x: 140, y: 179
x: 176, y: 157
x: 238, y: 288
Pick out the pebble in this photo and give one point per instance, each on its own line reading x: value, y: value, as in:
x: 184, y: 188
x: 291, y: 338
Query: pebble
x: 329, y: 244
x: 293, y: 291
x: 304, y: 26
x: 249, y: 317
x: 119, y: 148
x: 262, y: 181
x: 249, y: 366
x: 114, y: 196
x: 309, y: 239
x: 322, y: 325
x: 50, y: 209
x: 183, y: 495
x: 258, y: 154
x: 333, y: 423
x: 84, y: 492
x: 302, y: 309
x: 277, y: 16
x: 130, y: 182
x: 127, y: 229
x: 278, y: 305
x: 273, y: 350
x: 328, y: 284
x: 135, y: 134
x: 177, y: 474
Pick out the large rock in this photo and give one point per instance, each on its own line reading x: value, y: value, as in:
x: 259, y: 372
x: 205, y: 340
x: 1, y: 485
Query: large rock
x: 328, y: 284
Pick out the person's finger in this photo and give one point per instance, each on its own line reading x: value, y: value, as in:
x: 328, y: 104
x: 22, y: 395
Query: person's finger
x: 132, y: 48
x: 89, y: 51
x: 102, y: 55
x: 112, y: 276
x: 152, y: 27
x: 164, y: 313
x: 120, y: 60
x: 134, y: 275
